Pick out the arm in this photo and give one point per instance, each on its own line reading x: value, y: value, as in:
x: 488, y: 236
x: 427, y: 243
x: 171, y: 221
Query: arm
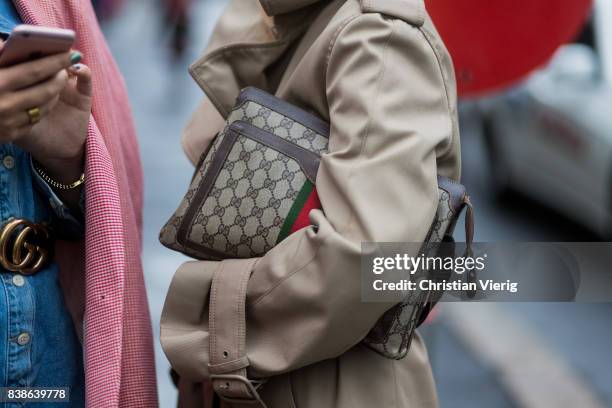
x: 57, y: 143
x: 59, y: 90
x: 389, y: 114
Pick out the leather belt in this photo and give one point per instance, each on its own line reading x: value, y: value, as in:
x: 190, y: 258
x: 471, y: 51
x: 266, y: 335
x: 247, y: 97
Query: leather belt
x: 25, y: 247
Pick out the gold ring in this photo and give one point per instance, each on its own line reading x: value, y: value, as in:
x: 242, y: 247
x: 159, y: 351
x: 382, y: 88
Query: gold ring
x: 34, y: 115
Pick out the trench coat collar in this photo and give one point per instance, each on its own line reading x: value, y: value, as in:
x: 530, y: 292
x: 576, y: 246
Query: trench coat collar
x: 276, y: 7
x: 221, y: 73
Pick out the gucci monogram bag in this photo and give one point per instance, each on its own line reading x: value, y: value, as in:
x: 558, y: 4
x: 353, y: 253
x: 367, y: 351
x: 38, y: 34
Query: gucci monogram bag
x: 256, y: 183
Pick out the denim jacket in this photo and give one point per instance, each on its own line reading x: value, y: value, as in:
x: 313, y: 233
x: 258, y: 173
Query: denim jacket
x: 38, y: 342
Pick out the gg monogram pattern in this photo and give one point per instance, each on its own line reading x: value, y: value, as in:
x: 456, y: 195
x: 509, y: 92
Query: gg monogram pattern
x: 444, y: 217
x: 243, y: 212
x: 282, y: 126
x: 248, y: 204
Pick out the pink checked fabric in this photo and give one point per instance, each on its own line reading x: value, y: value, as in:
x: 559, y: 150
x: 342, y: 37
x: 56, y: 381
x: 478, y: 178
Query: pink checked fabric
x: 117, y: 334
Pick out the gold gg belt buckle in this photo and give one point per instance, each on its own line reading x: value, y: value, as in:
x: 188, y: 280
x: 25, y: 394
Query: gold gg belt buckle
x: 25, y: 247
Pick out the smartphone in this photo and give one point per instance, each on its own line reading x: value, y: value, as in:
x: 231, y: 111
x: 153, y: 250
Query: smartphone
x: 27, y: 42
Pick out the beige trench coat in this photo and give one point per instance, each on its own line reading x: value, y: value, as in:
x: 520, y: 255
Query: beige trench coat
x: 379, y: 73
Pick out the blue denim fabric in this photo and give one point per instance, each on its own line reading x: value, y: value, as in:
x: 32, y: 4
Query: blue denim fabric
x: 53, y: 355
x: 32, y: 307
x: 8, y: 16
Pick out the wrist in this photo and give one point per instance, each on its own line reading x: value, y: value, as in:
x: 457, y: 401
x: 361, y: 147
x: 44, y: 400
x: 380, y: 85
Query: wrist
x: 64, y: 171
x: 65, y: 177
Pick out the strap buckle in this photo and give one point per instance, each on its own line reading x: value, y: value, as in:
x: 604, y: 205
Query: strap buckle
x: 251, y: 386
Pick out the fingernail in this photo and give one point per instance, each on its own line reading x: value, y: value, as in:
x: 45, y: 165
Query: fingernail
x: 75, y: 57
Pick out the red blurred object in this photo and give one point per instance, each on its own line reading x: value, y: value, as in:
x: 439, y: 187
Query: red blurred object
x: 432, y: 316
x: 494, y: 43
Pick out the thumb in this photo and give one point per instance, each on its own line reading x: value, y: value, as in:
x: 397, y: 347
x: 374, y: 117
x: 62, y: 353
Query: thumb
x: 84, y: 78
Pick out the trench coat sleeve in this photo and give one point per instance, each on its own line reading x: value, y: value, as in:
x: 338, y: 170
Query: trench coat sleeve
x: 389, y: 114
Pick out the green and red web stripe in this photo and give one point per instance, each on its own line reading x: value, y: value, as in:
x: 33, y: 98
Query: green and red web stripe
x: 297, y: 218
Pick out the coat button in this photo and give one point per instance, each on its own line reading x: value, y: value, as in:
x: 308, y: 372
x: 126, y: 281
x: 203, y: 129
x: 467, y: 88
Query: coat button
x: 23, y: 339
x: 18, y: 280
x: 8, y: 161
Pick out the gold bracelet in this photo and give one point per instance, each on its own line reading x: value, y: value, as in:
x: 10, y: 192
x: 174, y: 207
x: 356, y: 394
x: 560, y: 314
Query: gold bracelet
x: 56, y: 184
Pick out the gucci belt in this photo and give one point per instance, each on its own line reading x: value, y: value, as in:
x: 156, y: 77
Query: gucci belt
x: 25, y: 247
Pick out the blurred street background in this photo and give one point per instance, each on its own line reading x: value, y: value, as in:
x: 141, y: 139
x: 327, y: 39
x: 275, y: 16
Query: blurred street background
x: 483, y: 355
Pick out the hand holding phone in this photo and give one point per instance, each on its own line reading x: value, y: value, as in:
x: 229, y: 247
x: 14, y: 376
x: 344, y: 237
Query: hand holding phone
x: 45, y: 101
x: 33, y: 64
x: 29, y: 89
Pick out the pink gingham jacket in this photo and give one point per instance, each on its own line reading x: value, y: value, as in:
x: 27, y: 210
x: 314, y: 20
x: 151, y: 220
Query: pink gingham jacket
x: 105, y: 291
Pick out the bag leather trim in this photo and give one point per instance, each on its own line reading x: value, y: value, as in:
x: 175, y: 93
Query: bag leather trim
x: 284, y: 108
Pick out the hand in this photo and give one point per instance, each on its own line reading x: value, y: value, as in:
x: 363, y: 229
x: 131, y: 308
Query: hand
x: 57, y: 142
x: 28, y: 85
x: 62, y: 93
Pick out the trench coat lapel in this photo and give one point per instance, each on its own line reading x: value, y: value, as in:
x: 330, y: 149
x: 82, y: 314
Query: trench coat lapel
x: 224, y: 71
